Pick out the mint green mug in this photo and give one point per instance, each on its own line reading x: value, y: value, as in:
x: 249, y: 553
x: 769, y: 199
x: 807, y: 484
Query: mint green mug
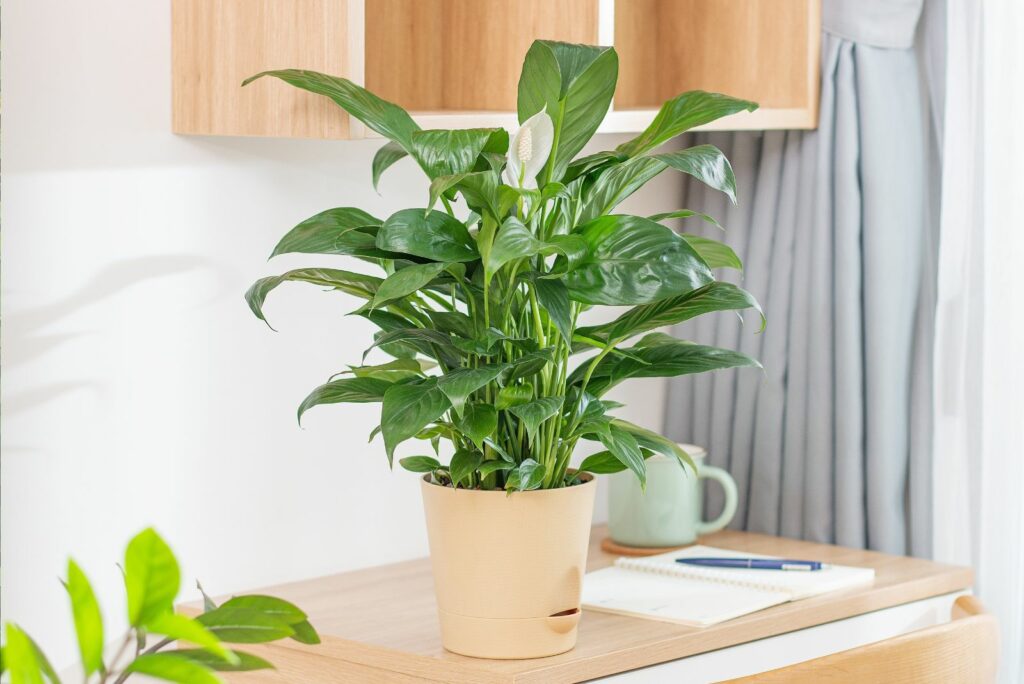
x: 669, y: 513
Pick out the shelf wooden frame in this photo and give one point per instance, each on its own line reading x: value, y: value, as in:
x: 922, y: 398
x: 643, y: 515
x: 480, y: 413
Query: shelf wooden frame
x: 764, y: 50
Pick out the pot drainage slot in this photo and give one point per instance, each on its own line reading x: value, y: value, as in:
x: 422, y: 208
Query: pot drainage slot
x: 564, y: 613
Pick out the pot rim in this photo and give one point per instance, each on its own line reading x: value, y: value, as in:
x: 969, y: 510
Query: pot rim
x: 588, y: 481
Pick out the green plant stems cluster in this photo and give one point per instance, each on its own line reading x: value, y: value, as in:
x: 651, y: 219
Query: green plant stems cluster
x: 481, y: 302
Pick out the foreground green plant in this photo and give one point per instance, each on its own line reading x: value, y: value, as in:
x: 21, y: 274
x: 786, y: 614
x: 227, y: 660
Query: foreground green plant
x: 152, y: 580
x: 480, y: 308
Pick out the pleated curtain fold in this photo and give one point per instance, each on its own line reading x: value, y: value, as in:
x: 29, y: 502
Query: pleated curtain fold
x: 831, y: 441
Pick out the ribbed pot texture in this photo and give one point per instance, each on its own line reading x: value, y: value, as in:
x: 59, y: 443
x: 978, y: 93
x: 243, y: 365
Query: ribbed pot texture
x: 508, y: 569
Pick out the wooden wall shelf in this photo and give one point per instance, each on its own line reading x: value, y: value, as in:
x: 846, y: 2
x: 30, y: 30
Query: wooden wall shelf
x: 455, y: 63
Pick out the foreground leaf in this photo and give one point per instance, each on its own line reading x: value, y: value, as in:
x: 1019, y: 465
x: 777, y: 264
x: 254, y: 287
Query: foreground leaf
x: 245, y: 625
x: 172, y: 668
x: 680, y: 114
x: 448, y: 152
x: 182, y: 628
x: 88, y: 621
x: 151, y: 577
x: 624, y: 447
x: 334, y: 231
x: 407, y: 409
x: 478, y: 422
x: 464, y: 463
x: 434, y: 235
x: 241, y: 661
x: 419, y: 464
x: 269, y: 605
x: 346, y: 390
x: 24, y: 660
x: 304, y: 633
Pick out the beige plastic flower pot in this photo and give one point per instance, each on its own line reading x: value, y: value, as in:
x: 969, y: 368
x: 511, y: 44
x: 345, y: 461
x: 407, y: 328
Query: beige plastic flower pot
x: 508, y: 570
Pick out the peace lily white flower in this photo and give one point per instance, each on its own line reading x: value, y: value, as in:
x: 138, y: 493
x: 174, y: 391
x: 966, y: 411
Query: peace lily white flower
x: 528, y: 150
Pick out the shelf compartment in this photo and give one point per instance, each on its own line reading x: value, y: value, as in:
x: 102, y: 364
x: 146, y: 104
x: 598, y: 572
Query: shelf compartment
x: 463, y: 55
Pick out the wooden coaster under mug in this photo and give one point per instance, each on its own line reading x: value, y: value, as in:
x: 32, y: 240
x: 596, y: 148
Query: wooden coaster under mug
x: 608, y: 546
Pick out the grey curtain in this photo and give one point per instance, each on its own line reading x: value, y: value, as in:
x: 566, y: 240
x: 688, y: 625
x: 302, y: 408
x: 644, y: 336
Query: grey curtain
x: 831, y: 442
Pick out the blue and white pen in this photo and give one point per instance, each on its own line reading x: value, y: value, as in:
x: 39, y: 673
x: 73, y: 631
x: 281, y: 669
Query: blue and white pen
x: 755, y: 563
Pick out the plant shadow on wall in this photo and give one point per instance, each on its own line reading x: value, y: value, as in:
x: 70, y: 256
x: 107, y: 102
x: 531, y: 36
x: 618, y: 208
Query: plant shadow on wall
x: 480, y: 309
x: 152, y: 580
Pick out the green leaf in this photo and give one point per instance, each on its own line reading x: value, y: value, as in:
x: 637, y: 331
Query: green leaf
x: 431, y: 343
x: 356, y: 284
x: 270, y: 605
x: 462, y: 382
x: 335, y: 231
x: 432, y: 235
x: 528, y: 476
x: 408, y: 408
x: 554, y: 299
x: 182, y: 628
x: 405, y: 282
x: 346, y: 390
x: 680, y: 114
x: 716, y: 254
x: 464, y: 463
x: 513, y: 395
x: 242, y: 662
x: 392, y: 371
x: 419, y: 464
x: 632, y: 260
x: 624, y: 447
x: 245, y: 625
x: 384, y: 158
x: 513, y: 241
x: 533, y: 413
x: 669, y: 359
x: 527, y: 365
x: 488, y: 467
x: 88, y: 621
x: 602, y: 463
x: 574, y: 84
x: 441, y: 185
x: 151, y: 578
x: 707, y: 164
x: 208, y: 603
x: 172, y: 668
x: 453, y: 322
x: 478, y: 422
x: 591, y: 164
x: 652, y: 441
x: 24, y: 660
x: 304, y: 633
x: 716, y: 296
x: 616, y: 184
x: 685, y: 213
x: 448, y: 152
x: 379, y: 115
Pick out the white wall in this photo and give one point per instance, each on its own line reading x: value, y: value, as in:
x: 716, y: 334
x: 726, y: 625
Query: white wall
x: 137, y: 387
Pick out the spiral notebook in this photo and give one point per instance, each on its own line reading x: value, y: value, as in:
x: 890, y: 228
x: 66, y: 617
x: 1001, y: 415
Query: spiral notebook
x: 658, y: 588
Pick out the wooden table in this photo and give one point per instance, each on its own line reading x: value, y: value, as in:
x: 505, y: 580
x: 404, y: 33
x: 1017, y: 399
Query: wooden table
x: 379, y: 624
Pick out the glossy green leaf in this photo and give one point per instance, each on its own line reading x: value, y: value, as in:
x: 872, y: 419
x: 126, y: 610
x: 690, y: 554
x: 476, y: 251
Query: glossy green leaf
x: 592, y: 164
x: 632, y: 260
x: 668, y: 359
x: 335, y: 231
x: 346, y: 390
x: 419, y: 464
x: 182, y: 628
x: 356, y: 284
x: 683, y: 214
x: 24, y: 660
x: 270, y: 605
x: 241, y: 662
x: 151, y: 577
x: 172, y: 668
x: 245, y: 625
x: 716, y: 254
x: 554, y: 300
x: 652, y: 441
x: 431, y: 343
x: 535, y: 412
x: 529, y: 475
x: 464, y: 463
x: 574, y: 84
x: 528, y: 365
x: 624, y: 447
x: 512, y: 241
x: 602, y: 463
x: 406, y: 281
x: 680, y: 114
x: 393, y: 371
x: 462, y: 382
x: 478, y: 422
x: 447, y: 152
x: 513, y: 395
x: 379, y: 115
x: 617, y: 183
x: 408, y: 408
x: 384, y: 158
x: 488, y: 467
x: 707, y: 164
x: 88, y: 621
x: 304, y: 633
x: 434, y: 235
x: 716, y: 296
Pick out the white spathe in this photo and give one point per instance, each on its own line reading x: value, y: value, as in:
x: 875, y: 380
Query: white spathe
x: 529, y: 149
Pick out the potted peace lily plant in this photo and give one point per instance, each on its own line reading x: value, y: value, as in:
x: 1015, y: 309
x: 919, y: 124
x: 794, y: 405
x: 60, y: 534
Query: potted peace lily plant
x: 479, y: 307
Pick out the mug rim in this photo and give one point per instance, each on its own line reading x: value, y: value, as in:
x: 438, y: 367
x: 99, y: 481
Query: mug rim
x: 697, y: 453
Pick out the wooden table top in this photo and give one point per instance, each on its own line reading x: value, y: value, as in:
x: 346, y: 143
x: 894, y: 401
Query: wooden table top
x: 379, y: 624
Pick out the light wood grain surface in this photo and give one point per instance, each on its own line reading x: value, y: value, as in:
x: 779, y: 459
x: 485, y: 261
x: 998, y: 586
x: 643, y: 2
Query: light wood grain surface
x: 216, y: 44
x: 381, y: 622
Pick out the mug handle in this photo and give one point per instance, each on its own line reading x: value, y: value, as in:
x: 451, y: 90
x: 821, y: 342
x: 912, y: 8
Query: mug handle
x: 729, y: 485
